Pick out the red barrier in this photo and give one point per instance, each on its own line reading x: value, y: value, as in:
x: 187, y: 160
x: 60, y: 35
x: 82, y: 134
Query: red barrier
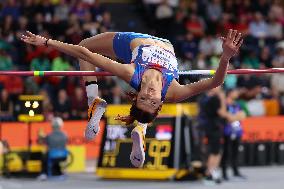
x: 255, y: 129
x: 17, y: 135
x: 263, y: 129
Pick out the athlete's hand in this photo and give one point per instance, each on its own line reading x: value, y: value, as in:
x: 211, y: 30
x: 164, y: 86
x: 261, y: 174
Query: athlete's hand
x: 231, y: 44
x: 33, y: 39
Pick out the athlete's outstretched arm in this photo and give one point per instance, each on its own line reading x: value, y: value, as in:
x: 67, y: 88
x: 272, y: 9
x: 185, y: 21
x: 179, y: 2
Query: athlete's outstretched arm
x: 231, y: 45
x: 121, y: 70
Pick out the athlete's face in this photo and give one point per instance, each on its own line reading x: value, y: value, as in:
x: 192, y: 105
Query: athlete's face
x: 148, y: 100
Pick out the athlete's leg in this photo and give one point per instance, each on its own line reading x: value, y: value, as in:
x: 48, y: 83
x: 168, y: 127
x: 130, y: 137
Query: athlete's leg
x: 101, y: 44
x: 104, y: 44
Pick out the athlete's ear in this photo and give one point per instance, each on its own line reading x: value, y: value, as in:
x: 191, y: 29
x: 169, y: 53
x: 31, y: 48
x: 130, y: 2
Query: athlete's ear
x: 134, y: 98
x: 131, y: 96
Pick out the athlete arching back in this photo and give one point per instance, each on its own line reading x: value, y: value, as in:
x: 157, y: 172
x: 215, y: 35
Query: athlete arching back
x: 153, y: 82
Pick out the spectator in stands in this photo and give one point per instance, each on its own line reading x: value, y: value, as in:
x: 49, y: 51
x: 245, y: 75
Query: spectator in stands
x: 11, y: 7
x: 164, y: 14
x: 278, y: 60
x: 149, y: 8
x: 277, y: 11
x: 5, y: 61
x: 208, y: 45
x: 70, y: 84
x: 46, y: 105
x: 277, y: 79
x: 261, y: 6
x: 242, y: 25
x: 116, y: 92
x: 90, y: 27
x: 6, y: 107
x: 213, y: 61
x: 61, y: 11
x: 232, y: 136
x: 73, y: 32
x: 226, y: 23
x: 28, y: 8
x: 214, y: 14
x: 97, y: 9
x: 251, y: 61
x: 177, y: 29
x: 62, y: 107
x: 106, y: 23
x: 40, y: 63
x: 60, y: 64
x: 274, y: 29
x: 191, y: 6
x: 265, y: 58
x: 48, y: 10
x: 229, y: 7
x: 79, y: 9
x: 244, y: 8
x: 258, y: 27
x: 184, y: 7
x: 195, y: 25
x: 51, y: 19
x: 31, y: 87
x: 214, y: 10
x: 106, y: 84
x: 56, y: 143
x: 22, y: 24
x: 38, y: 24
x: 189, y: 46
x: 79, y: 104
x: 8, y: 28
x: 201, y: 61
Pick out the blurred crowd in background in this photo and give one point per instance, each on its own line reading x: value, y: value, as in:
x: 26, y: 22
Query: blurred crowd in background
x: 193, y: 26
x: 66, y: 20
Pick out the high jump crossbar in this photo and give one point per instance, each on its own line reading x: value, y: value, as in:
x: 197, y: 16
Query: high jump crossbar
x: 102, y: 73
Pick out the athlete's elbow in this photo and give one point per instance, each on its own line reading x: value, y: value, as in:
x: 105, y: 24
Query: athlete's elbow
x: 216, y: 83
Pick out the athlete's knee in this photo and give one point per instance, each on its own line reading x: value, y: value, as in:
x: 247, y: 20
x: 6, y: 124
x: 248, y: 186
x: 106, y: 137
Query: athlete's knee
x: 84, y: 43
x: 99, y: 38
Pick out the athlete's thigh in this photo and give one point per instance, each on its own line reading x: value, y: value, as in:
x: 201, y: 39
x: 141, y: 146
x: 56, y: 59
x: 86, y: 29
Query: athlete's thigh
x: 101, y: 44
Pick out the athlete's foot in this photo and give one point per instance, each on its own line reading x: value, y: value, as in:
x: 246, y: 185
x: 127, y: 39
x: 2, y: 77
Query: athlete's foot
x: 137, y: 156
x: 95, y: 112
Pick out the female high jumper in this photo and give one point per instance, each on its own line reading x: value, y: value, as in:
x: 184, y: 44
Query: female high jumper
x: 150, y: 67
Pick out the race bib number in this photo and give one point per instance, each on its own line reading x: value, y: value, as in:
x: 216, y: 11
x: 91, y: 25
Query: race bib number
x: 160, y: 57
